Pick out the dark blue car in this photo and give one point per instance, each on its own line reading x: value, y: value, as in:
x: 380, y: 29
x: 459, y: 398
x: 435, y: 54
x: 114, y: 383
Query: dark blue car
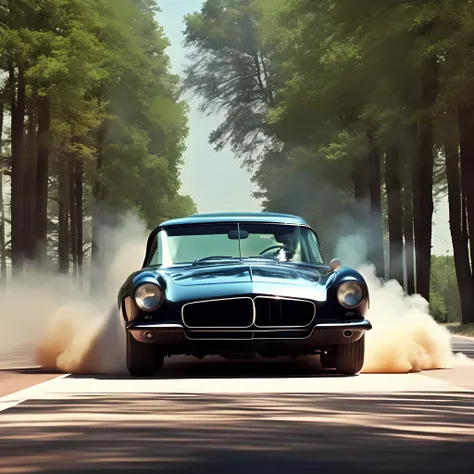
x: 233, y: 283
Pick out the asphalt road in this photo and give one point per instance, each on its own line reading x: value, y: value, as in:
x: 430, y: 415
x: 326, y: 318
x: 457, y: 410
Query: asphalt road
x: 463, y: 345
x: 215, y: 416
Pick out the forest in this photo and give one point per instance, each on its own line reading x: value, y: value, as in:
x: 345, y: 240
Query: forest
x: 92, y: 124
x: 358, y: 119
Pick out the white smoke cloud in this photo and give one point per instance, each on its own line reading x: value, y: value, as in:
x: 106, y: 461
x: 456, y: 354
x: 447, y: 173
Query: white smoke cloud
x: 67, y: 328
x: 405, y: 337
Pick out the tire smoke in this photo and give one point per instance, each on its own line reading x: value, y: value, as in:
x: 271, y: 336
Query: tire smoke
x: 404, y: 336
x: 65, y: 328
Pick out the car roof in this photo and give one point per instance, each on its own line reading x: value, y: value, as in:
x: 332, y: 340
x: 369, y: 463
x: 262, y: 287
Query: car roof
x: 220, y: 217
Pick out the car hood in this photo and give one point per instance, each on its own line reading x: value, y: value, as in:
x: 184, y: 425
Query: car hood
x: 243, y: 272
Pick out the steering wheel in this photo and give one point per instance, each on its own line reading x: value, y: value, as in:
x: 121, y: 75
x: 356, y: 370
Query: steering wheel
x: 280, y: 247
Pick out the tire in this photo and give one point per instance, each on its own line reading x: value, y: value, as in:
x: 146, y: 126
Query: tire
x: 350, y: 357
x: 142, y: 359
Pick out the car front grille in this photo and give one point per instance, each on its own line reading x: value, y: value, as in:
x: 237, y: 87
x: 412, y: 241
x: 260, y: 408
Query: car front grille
x: 283, y: 312
x: 231, y: 313
x: 238, y: 313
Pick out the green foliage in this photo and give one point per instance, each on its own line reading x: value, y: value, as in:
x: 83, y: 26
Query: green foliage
x: 114, y: 105
x: 231, y: 69
x: 337, y: 72
x: 463, y: 329
x: 444, y: 300
x: 147, y: 125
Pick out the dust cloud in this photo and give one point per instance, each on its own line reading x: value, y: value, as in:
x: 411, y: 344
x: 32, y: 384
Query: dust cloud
x: 68, y: 328
x: 405, y: 337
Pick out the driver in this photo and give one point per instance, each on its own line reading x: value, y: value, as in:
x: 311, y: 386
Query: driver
x: 288, y: 252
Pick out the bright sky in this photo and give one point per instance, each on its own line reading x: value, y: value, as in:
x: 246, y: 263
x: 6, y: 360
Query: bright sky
x: 215, y: 180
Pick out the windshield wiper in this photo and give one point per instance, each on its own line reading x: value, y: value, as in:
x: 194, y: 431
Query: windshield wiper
x: 214, y: 257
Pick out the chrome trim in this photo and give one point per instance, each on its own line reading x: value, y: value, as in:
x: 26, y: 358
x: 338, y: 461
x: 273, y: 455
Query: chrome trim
x: 358, y: 324
x: 219, y: 327
x: 287, y: 299
x: 364, y: 323
x: 246, y: 330
x: 146, y: 326
x: 220, y: 339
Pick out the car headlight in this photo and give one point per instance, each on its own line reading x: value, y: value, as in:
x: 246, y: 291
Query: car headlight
x: 350, y: 294
x: 148, y: 296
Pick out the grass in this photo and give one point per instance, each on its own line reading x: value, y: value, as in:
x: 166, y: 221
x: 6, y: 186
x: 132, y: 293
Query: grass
x: 463, y: 329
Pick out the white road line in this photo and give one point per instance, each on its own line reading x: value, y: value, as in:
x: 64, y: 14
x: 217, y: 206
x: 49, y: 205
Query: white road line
x: 14, y: 399
x: 366, y: 383
x: 64, y: 387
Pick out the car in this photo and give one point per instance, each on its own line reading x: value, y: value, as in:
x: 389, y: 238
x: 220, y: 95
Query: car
x: 240, y: 285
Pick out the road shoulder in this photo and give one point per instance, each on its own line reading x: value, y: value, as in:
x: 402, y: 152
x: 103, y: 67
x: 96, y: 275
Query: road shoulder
x: 460, y: 376
x: 14, y: 382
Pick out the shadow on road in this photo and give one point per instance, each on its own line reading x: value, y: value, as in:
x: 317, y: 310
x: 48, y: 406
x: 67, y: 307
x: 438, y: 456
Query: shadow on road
x: 228, y: 434
x: 216, y: 367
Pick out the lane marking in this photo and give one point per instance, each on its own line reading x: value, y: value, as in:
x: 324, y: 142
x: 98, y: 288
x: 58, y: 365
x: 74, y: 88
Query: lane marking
x: 365, y: 383
x: 15, y: 398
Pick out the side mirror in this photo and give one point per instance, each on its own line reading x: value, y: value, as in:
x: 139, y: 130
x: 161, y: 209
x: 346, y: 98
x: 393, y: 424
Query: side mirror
x: 335, y: 264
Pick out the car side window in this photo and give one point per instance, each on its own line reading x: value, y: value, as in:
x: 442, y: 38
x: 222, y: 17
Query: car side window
x: 312, y: 247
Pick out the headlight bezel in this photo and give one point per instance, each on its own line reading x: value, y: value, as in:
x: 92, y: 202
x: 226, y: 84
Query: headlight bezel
x: 342, y: 291
x: 153, y: 287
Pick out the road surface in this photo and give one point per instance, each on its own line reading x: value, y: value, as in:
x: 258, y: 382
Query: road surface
x: 215, y: 416
x: 464, y: 345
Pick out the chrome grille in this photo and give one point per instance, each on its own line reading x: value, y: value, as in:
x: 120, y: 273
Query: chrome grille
x: 228, y: 313
x: 274, y: 312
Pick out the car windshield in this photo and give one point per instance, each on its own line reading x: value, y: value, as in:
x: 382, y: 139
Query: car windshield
x: 190, y: 244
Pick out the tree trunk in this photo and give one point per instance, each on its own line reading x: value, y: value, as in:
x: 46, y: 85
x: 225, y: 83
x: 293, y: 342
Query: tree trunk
x: 376, y: 253
x: 360, y: 180
x: 395, y: 214
x: 73, y: 211
x: 423, y: 180
x: 42, y: 173
x: 29, y: 185
x: 18, y: 89
x: 79, y: 173
x: 63, y: 237
x: 460, y: 239
x: 466, y: 142
x: 408, y: 234
x: 97, y: 214
x: 3, y: 252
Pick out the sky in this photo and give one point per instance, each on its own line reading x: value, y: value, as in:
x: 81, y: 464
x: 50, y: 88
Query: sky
x: 216, y: 180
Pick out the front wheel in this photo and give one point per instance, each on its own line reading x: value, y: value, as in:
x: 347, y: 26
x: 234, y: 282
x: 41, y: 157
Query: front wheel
x: 142, y: 359
x: 350, y: 357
